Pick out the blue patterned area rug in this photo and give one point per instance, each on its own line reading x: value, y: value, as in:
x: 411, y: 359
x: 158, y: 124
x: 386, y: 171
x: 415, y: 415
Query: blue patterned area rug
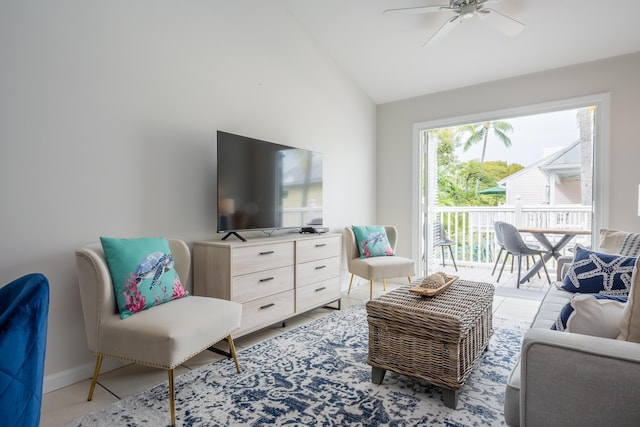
x: 317, y: 375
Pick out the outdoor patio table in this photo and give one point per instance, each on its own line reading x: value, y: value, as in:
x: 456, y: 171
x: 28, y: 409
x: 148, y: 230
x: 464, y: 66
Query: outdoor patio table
x: 551, y: 249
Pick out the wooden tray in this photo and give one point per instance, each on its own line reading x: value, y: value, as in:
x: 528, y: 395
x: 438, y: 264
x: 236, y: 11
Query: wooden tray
x: 431, y: 292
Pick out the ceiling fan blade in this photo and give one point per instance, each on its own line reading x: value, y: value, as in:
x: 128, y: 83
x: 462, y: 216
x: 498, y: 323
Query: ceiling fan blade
x: 416, y: 10
x: 502, y: 22
x: 442, y: 31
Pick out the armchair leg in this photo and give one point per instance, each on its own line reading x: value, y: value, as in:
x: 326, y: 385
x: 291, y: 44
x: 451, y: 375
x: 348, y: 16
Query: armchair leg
x: 94, y: 379
x: 370, y: 290
x: 232, y: 349
x: 172, y: 398
x: 384, y: 284
x: 409, y: 277
x: 350, y: 282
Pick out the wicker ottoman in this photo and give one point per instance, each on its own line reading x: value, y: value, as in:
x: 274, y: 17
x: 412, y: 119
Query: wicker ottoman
x: 437, y: 339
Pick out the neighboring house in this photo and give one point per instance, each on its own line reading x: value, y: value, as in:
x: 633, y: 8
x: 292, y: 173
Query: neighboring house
x: 554, y: 180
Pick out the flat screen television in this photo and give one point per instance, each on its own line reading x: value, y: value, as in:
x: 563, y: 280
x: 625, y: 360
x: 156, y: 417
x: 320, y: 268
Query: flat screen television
x: 266, y: 186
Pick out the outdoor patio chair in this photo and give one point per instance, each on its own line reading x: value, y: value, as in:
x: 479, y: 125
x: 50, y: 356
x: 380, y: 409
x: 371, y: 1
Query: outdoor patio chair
x: 440, y: 238
x: 515, y: 245
x: 500, y: 242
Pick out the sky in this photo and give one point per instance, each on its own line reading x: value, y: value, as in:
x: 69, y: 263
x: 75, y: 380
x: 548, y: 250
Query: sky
x: 530, y: 136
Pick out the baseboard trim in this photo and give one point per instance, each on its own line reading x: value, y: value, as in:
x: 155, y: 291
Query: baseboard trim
x: 79, y: 373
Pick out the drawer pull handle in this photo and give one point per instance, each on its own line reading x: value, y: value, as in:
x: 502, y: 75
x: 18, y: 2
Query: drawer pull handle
x: 266, y: 279
x: 267, y: 306
x: 321, y: 289
x: 266, y: 252
x: 319, y: 245
x: 320, y: 267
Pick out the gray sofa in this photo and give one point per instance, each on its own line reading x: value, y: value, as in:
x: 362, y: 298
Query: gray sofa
x: 569, y: 379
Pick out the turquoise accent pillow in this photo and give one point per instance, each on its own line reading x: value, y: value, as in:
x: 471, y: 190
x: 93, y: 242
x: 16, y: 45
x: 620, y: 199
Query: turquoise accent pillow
x: 143, y: 273
x: 372, y: 241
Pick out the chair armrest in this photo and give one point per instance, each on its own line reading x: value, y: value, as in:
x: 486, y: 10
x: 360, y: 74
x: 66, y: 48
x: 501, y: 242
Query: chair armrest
x: 576, y: 380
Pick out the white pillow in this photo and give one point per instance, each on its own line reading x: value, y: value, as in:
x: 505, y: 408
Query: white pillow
x: 619, y: 242
x: 596, y: 317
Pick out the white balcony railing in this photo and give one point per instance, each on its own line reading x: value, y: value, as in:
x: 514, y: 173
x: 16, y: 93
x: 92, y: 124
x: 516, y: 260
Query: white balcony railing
x: 472, y: 227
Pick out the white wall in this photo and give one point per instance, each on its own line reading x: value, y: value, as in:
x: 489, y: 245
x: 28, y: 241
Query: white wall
x: 617, y: 76
x: 108, y: 114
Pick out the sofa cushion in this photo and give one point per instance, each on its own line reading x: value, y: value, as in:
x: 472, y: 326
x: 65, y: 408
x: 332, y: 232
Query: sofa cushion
x: 372, y: 241
x: 630, y: 324
x: 619, y: 242
x: 547, y: 314
x: 592, y: 314
x: 593, y: 272
x: 142, y: 272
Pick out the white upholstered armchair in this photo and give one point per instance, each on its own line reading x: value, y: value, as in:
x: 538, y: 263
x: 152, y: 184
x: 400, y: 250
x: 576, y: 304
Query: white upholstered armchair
x: 163, y: 336
x: 376, y: 268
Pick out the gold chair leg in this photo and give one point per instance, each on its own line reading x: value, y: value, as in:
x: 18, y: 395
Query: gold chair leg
x: 409, y: 277
x: 232, y: 349
x: 94, y: 379
x: 384, y: 284
x: 172, y: 398
x: 370, y: 290
x: 350, y: 282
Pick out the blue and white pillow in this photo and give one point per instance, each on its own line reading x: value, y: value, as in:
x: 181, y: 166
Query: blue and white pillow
x: 597, y: 272
x: 592, y: 314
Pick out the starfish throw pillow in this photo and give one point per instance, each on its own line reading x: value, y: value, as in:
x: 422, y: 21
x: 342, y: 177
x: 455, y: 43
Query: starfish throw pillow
x: 597, y: 272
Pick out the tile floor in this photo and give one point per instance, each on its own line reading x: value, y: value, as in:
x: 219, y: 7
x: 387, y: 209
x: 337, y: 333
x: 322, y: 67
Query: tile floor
x: 68, y: 403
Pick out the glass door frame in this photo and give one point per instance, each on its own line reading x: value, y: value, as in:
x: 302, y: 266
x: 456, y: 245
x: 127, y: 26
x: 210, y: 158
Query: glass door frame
x: 601, y: 142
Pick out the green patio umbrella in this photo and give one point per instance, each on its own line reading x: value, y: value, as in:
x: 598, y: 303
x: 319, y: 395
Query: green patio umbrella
x: 494, y: 190
x: 497, y: 191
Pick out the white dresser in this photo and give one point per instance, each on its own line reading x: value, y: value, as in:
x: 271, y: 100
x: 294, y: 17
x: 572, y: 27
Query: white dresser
x: 274, y: 278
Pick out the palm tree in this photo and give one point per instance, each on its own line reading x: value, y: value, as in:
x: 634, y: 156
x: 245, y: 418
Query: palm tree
x: 480, y: 132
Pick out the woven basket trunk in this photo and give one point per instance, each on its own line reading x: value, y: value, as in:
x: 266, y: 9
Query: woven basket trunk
x: 437, y: 339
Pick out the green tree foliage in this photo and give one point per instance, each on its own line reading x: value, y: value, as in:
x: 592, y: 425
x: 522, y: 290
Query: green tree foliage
x: 480, y: 132
x: 456, y: 179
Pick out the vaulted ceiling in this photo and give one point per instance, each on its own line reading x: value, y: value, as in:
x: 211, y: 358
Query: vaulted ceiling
x: 384, y: 54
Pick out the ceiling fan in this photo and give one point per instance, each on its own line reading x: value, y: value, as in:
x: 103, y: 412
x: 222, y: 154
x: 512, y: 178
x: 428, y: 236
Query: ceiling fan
x: 464, y: 10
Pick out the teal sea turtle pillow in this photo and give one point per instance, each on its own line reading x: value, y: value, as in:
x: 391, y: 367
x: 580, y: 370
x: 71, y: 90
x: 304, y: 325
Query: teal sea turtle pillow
x: 143, y: 273
x: 372, y: 241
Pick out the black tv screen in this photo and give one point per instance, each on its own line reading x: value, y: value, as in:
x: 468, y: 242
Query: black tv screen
x: 263, y: 185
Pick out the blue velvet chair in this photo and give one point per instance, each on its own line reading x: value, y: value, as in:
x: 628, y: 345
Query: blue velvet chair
x: 24, y: 307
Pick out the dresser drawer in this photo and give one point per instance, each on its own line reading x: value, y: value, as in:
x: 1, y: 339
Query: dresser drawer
x: 261, y: 257
x: 313, y: 249
x: 257, y: 285
x: 266, y: 311
x: 317, y: 271
x: 317, y: 294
